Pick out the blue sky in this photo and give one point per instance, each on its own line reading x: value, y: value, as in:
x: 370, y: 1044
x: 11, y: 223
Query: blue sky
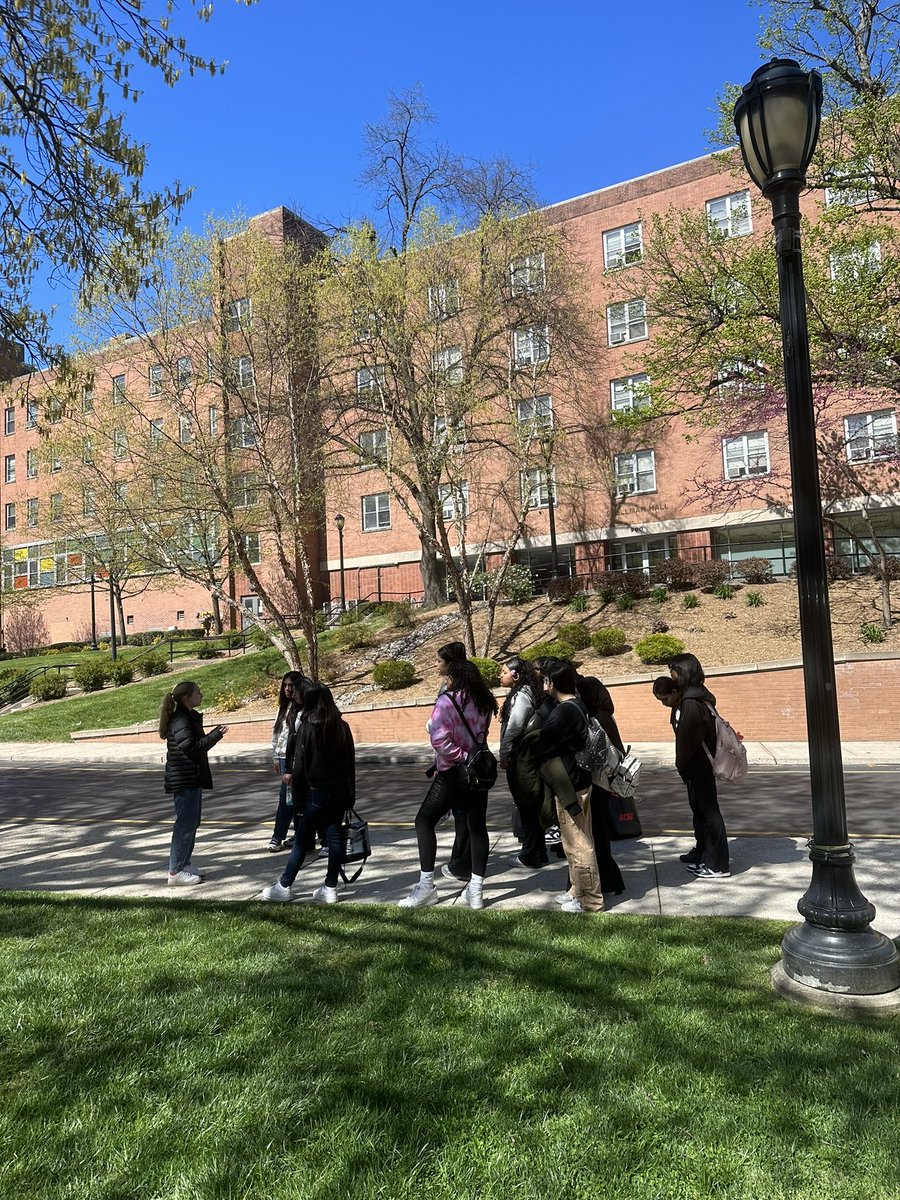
x: 591, y: 93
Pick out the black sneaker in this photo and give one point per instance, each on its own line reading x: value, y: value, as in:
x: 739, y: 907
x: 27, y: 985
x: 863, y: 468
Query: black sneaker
x: 274, y: 846
x: 692, y: 856
x: 705, y: 872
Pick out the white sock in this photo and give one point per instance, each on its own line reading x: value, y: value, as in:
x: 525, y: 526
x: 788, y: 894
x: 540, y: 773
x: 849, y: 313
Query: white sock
x: 427, y: 877
x: 476, y: 883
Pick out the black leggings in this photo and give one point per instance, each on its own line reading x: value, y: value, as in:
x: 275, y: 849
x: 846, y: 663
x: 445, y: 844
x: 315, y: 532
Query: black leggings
x: 447, y: 793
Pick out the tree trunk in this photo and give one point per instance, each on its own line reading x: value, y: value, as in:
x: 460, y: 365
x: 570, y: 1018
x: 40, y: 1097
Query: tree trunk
x: 217, y: 612
x: 489, y: 625
x: 433, y: 575
x: 120, y: 609
x: 886, y: 619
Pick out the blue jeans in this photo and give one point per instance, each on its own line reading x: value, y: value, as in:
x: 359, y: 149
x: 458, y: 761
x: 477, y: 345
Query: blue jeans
x: 285, y: 811
x: 187, y: 821
x: 322, y: 814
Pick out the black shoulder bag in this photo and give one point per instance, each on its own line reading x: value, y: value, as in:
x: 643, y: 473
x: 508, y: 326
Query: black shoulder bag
x: 480, y: 768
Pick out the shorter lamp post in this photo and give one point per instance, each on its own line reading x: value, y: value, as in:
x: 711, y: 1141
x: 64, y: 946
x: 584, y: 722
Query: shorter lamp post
x: 93, y: 611
x: 835, y: 950
x: 547, y: 449
x: 339, y: 522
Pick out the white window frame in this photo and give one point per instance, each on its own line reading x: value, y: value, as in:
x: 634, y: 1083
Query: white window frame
x: 87, y: 451
x: 156, y: 430
x: 87, y: 398
x: 31, y: 464
x: 242, y: 371
x: 623, y: 247
x: 32, y: 514
x: 527, y: 274
x: 849, y: 196
x: 241, y: 434
x: 31, y: 414
x: 443, y: 299
x: 213, y: 416
x: 537, y: 485
x: 252, y: 547
x: 9, y: 420
x: 741, y: 442
x: 446, y: 364
x: 531, y: 346
x: 628, y: 471
x: 376, y: 512
x: 731, y: 216
x: 245, y: 489
x: 369, y: 380
x: 88, y: 502
x: 852, y: 264
x: 118, y: 389
x: 120, y: 490
x: 366, y: 324
x: 622, y: 397
x: 184, y: 372
x: 9, y: 468
x: 871, y: 451
x: 237, y: 315
x: 373, y: 448
x: 154, y: 379
x: 450, y: 431
x: 535, y: 411
x: 56, y: 506
x: 120, y: 444
x: 9, y: 515
x: 55, y: 461
x: 628, y: 318
x: 185, y: 429
x: 454, y: 500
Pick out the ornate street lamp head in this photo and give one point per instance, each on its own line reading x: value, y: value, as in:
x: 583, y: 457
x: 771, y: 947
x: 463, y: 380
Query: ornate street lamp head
x: 339, y: 521
x: 777, y: 119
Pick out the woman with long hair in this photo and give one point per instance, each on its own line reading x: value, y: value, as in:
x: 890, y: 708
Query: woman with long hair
x: 325, y: 759
x: 187, y: 772
x: 459, y: 864
x: 517, y: 710
x: 289, y: 698
x: 599, y: 704
x: 467, y: 701
x: 695, y: 734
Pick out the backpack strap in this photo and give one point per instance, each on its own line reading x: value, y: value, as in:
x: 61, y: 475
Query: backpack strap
x: 462, y: 715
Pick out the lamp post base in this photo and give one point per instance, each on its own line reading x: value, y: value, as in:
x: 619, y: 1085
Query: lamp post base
x: 881, y: 1007
x: 850, y: 963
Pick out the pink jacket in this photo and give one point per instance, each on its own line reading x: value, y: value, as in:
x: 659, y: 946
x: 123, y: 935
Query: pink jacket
x: 449, y: 736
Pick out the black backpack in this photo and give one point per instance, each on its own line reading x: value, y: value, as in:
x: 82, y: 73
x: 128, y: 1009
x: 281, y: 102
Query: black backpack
x: 480, y: 768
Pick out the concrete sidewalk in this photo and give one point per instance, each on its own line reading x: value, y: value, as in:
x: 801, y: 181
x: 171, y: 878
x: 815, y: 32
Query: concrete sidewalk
x: 762, y: 754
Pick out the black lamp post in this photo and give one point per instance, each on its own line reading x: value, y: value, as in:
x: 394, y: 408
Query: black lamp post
x: 547, y: 448
x: 835, y: 950
x: 93, y: 613
x: 339, y: 524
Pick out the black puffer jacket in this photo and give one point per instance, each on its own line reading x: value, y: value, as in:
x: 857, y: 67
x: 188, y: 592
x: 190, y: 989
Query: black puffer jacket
x: 694, y: 726
x: 187, y: 747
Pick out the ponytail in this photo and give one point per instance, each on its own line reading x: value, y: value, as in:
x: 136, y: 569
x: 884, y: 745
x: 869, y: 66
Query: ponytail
x: 180, y: 691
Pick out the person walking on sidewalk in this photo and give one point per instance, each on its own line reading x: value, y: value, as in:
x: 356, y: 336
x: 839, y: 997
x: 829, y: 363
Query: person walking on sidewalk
x: 516, y: 712
x: 467, y: 701
x: 695, y: 734
x: 289, y: 699
x: 325, y: 758
x: 459, y: 864
x: 187, y: 772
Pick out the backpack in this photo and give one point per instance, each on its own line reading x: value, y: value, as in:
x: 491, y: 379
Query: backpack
x: 479, y: 771
x: 595, y: 751
x: 729, y: 763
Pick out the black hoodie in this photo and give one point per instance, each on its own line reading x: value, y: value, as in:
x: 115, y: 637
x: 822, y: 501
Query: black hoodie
x: 695, y: 725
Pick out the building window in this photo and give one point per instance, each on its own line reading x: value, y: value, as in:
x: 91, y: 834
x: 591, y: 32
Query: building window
x: 630, y: 393
x: 450, y: 433
x: 241, y: 434
x: 9, y: 420
x: 156, y: 431
x: 527, y: 274
x: 9, y: 469
x: 531, y: 345
x: 121, y: 491
x: 10, y: 515
x: 635, y: 472
x: 184, y: 369
x: 31, y: 464
x: 454, y: 498
x: 536, y: 411
x: 850, y: 185
x: 212, y: 372
x: 250, y: 542
x: 120, y: 444
x: 87, y: 451
x: 129, y: 620
x: 245, y: 490
x: 740, y: 379
x: 87, y: 399
x: 31, y: 513
x: 179, y: 615
x: 623, y: 246
x: 56, y: 506
x: 242, y: 371
x: 369, y: 381
x: 447, y: 364
x: 443, y: 300
x: 626, y: 322
x: 213, y: 421
x: 31, y: 415
x: 89, y: 502
x: 638, y: 554
x: 157, y: 488
x: 854, y: 264
x: 185, y: 429
x: 155, y: 379
x: 55, y: 461
x: 746, y: 455
x: 870, y: 436
x: 366, y: 324
x: 54, y: 411
x: 237, y: 315
x: 376, y: 512
x: 118, y: 388
x: 536, y: 484
x: 373, y: 447
x: 730, y: 215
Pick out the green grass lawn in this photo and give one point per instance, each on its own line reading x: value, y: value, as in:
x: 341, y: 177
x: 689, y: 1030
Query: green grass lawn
x: 54, y: 722
x: 200, y: 1052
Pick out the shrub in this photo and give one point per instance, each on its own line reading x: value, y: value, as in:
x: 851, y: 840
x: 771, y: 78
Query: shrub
x: 690, y: 600
x: 757, y: 570
x: 724, y: 591
x: 350, y: 616
x: 606, y: 592
x: 872, y: 633
x: 517, y: 585
x: 354, y: 637
x: 329, y: 666
x: 489, y: 669
x: 91, y: 676
x: 659, y: 594
x: 711, y: 573
x: 836, y: 568
x: 10, y: 675
x: 624, y: 603
x: 658, y: 648
x: 609, y: 641
x: 674, y: 573
x: 49, y: 687
x: 576, y: 634
x: 578, y: 603
x: 754, y: 600
x: 259, y: 638
x: 394, y: 674
x: 154, y: 664
x: 659, y: 627
x: 227, y: 702
x: 398, y: 612
x: 121, y: 672
x: 890, y: 569
x: 557, y: 649
x: 561, y: 591
x: 207, y: 650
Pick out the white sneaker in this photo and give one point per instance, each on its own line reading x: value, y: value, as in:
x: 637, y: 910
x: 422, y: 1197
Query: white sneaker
x: 195, y: 871
x: 277, y: 891
x: 421, y: 895
x: 472, y: 898
x: 563, y: 897
x: 325, y: 895
x: 184, y: 877
x: 572, y: 905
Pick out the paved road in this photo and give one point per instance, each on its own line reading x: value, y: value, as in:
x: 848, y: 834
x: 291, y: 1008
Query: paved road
x: 769, y: 802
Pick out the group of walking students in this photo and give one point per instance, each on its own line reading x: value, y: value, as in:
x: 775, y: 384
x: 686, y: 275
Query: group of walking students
x: 544, y: 720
